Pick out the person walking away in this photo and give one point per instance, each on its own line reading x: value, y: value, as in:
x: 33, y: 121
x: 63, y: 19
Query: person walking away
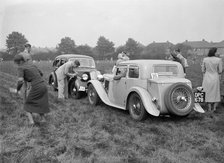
x: 62, y: 72
x: 37, y: 99
x: 212, y: 69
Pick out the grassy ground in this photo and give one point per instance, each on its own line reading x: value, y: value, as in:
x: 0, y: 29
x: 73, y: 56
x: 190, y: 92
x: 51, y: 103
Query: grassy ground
x: 77, y: 132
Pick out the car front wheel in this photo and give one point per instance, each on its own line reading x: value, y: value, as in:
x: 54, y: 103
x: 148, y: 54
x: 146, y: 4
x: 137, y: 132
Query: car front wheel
x: 73, y: 90
x: 136, y: 107
x: 93, y: 97
x: 52, y: 83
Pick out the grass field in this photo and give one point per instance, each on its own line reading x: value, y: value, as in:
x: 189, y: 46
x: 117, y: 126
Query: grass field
x: 78, y: 132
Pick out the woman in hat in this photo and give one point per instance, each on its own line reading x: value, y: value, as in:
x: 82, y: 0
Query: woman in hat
x: 37, y: 99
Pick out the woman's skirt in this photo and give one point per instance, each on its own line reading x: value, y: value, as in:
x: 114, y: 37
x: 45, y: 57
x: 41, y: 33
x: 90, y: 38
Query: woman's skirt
x: 37, y: 100
x: 211, y: 86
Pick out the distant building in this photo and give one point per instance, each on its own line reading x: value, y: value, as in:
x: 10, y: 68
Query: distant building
x: 165, y: 45
x: 220, y: 46
x: 202, y: 47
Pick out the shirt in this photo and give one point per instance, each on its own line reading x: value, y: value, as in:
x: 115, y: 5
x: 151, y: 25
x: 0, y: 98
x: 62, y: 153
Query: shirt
x: 30, y: 73
x: 26, y: 56
x: 63, y: 70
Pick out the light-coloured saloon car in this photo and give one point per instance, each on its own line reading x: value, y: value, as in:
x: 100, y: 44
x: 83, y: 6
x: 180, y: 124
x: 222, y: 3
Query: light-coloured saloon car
x: 157, y: 87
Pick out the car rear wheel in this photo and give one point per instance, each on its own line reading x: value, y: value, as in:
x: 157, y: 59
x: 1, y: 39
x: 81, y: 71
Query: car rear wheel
x: 73, y: 90
x: 136, y: 107
x: 93, y: 97
x: 179, y: 99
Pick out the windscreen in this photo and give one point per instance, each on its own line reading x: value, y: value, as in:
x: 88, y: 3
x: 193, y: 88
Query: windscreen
x: 85, y: 62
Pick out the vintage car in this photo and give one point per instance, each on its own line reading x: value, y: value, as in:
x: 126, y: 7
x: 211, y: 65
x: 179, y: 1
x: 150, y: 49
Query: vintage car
x: 77, y: 85
x: 157, y: 87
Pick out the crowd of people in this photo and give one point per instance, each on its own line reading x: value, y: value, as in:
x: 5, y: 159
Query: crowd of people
x: 35, y: 93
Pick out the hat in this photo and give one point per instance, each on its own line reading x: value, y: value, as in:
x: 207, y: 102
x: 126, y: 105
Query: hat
x: 27, y: 45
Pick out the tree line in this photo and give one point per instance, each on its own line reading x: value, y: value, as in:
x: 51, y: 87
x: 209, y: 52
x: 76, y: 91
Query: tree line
x: 104, y: 49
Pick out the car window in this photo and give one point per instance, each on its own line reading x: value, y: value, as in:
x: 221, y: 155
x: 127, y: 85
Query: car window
x: 63, y: 61
x: 133, y: 72
x: 56, y: 62
x: 85, y: 62
x: 163, y: 69
x: 121, y: 70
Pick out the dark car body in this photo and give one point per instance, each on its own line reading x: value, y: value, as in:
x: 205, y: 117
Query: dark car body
x: 77, y: 85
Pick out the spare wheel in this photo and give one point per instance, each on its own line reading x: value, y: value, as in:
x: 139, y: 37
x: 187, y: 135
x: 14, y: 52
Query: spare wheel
x: 179, y: 99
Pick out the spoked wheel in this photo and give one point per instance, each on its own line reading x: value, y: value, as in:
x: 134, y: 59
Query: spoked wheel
x: 136, y: 107
x: 73, y: 90
x: 179, y: 99
x: 92, y: 95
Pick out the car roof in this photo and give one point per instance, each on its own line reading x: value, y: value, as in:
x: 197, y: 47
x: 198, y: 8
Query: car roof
x: 72, y: 56
x: 146, y: 62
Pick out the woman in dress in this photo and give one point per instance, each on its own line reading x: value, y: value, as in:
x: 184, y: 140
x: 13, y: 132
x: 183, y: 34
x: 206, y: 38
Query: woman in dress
x: 37, y: 99
x: 212, y: 69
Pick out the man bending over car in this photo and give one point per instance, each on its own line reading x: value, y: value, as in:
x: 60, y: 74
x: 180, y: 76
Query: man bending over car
x: 62, y: 72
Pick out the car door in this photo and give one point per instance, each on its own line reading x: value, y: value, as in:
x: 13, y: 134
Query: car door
x: 119, y: 87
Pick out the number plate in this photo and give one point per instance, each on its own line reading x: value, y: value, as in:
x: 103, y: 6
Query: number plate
x: 81, y: 88
x: 199, y: 97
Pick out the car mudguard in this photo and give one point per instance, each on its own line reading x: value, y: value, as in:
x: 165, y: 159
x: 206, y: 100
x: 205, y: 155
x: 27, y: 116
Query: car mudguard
x: 197, y: 107
x: 146, y: 98
x: 102, y: 93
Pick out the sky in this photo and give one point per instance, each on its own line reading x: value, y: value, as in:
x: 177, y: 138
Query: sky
x: 44, y: 23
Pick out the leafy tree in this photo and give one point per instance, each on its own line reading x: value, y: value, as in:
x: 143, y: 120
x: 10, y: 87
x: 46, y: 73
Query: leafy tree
x: 120, y: 49
x: 104, y: 46
x: 156, y: 50
x: 133, y: 47
x: 66, y: 46
x: 15, y: 42
x: 84, y: 49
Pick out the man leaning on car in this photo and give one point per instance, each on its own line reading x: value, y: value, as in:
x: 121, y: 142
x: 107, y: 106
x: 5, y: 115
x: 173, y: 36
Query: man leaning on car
x: 62, y: 72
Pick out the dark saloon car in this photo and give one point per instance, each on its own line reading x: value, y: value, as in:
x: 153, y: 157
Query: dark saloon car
x: 77, y: 85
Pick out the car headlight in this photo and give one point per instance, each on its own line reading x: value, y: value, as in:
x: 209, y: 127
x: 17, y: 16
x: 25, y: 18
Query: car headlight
x: 84, y: 77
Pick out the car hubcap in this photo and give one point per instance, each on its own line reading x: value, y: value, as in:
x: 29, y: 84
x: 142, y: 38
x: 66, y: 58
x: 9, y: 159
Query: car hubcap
x: 74, y: 91
x: 136, y: 106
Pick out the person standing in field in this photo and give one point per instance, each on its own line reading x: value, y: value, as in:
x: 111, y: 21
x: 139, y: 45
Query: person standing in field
x: 177, y: 56
x: 37, y: 99
x: 123, y: 56
x: 212, y: 69
x: 62, y: 73
x: 26, y: 53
